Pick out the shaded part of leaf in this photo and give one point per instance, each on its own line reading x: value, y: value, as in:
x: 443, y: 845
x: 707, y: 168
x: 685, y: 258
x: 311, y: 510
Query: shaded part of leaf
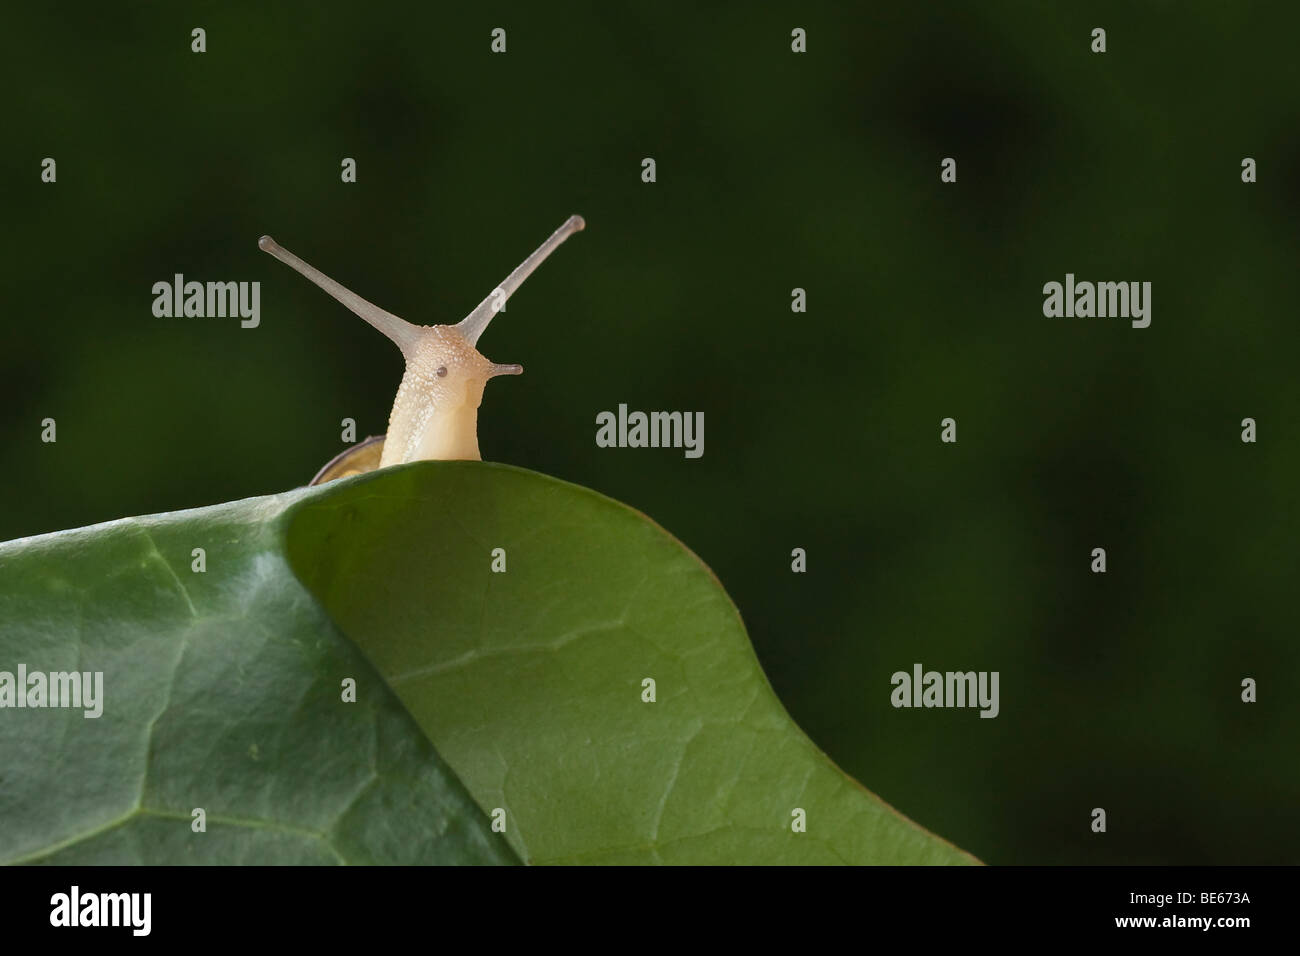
x: 529, y: 681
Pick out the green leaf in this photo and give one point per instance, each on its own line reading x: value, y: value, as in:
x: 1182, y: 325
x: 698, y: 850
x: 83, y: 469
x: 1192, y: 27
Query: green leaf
x: 221, y: 691
x: 530, y: 681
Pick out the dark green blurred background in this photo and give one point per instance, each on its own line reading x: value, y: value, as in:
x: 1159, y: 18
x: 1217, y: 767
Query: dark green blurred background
x: 775, y: 170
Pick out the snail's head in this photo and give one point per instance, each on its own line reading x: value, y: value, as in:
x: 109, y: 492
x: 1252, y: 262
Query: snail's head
x: 449, y: 370
x: 435, y: 414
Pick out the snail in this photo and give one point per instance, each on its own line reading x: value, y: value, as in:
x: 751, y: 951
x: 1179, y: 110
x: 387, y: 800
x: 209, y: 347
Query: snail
x: 435, y: 413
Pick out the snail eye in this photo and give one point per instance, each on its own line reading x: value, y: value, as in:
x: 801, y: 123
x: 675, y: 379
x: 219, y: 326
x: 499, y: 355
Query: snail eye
x: 442, y: 371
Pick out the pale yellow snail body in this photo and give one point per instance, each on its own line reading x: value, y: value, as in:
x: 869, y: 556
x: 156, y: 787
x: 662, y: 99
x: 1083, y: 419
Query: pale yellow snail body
x: 435, y: 413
